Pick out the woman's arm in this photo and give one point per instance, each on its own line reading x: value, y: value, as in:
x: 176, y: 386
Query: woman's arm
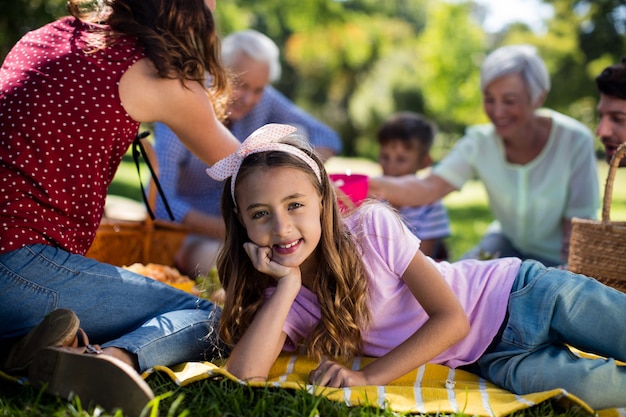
x: 447, y: 325
x: 409, y: 190
x: 186, y: 109
x: 324, y: 140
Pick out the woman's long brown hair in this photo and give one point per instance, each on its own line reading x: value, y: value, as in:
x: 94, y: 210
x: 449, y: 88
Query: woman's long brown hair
x: 178, y: 36
x: 340, y: 286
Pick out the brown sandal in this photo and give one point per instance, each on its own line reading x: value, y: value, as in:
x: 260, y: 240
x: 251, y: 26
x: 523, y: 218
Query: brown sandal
x: 59, y: 328
x: 95, y: 379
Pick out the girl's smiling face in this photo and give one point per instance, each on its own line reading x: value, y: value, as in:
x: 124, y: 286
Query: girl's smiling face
x: 280, y: 209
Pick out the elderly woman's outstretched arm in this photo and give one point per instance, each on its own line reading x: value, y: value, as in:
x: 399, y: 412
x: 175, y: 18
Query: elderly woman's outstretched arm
x: 409, y: 190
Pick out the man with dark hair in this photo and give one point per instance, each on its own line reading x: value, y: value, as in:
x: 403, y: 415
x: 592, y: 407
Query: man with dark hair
x: 612, y: 108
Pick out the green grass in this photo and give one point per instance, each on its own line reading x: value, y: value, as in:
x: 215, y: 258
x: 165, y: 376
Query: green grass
x: 218, y: 397
x: 208, y: 397
x: 221, y: 397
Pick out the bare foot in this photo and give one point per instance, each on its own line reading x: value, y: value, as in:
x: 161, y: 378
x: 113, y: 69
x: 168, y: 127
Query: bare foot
x: 123, y: 355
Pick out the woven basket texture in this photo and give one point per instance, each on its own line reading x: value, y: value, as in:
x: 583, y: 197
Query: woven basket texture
x: 598, y: 248
x: 121, y: 243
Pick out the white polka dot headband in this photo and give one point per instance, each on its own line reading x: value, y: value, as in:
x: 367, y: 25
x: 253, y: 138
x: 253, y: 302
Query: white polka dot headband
x: 263, y: 139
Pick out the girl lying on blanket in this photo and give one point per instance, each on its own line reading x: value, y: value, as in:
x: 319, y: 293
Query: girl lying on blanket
x: 297, y: 272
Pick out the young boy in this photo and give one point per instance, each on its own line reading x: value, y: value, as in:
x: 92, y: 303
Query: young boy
x: 404, y: 142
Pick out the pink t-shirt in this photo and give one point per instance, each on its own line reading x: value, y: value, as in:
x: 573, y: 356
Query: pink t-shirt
x: 482, y: 287
x: 63, y: 133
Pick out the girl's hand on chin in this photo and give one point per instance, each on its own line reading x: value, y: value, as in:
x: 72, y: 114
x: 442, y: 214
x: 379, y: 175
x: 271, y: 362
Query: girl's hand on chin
x: 261, y: 257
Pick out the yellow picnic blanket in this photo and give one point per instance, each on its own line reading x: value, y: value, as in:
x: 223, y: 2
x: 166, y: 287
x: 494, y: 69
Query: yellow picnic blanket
x: 430, y: 389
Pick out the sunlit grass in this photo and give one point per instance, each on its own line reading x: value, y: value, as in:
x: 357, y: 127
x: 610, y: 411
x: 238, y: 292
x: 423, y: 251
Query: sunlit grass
x: 220, y: 397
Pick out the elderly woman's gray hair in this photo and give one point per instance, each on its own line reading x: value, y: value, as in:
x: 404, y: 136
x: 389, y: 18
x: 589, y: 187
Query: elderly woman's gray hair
x: 256, y: 45
x: 517, y: 59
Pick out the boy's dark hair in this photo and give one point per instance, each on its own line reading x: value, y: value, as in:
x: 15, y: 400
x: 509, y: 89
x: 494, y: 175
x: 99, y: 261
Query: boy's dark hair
x: 410, y: 128
x: 612, y: 81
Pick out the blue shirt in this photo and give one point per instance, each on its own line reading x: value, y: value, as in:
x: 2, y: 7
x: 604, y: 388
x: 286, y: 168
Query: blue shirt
x: 427, y: 222
x: 183, y: 176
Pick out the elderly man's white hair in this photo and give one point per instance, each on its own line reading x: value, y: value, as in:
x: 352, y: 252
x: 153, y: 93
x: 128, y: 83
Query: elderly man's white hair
x: 520, y: 59
x: 256, y: 45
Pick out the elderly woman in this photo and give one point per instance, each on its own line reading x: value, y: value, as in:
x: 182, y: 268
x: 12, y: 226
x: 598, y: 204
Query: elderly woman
x: 538, y: 166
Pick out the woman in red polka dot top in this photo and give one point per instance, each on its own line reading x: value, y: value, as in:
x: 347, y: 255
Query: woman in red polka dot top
x: 72, y: 96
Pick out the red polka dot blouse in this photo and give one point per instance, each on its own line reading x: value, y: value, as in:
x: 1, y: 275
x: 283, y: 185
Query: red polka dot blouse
x: 63, y: 132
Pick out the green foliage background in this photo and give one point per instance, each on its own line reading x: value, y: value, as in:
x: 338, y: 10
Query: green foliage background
x: 353, y: 62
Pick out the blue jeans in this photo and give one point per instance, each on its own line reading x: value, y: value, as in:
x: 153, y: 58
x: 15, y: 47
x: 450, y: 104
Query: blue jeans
x: 117, y: 308
x: 496, y: 243
x: 547, y: 309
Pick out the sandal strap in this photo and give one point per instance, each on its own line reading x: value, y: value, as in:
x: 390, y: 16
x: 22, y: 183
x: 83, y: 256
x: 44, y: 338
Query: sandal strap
x: 83, y: 346
x: 94, y: 349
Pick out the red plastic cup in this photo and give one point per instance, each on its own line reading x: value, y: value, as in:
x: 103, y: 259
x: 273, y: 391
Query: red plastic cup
x: 354, y: 186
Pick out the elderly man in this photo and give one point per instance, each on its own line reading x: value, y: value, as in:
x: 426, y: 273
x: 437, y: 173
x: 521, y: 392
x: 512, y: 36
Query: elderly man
x: 195, y: 198
x: 612, y: 108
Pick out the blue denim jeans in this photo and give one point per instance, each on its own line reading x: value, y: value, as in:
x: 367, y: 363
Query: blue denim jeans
x: 117, y: 308
x: 497, y: 243
x: 549, y: 308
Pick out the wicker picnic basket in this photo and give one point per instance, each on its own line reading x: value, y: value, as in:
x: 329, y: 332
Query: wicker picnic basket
x: 123, y: 242
x: 598, y: 248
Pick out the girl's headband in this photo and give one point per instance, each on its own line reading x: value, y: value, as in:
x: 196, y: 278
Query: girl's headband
x: 263, y: 139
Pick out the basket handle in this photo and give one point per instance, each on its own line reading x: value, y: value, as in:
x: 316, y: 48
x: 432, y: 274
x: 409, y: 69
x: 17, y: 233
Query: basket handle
x: 608, y: 188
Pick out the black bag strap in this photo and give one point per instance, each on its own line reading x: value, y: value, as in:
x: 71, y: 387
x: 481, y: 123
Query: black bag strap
x: 140, y: 151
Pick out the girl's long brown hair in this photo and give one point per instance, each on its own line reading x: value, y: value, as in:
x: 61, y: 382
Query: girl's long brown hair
x: 178, y: 36
x: 340, y: 286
